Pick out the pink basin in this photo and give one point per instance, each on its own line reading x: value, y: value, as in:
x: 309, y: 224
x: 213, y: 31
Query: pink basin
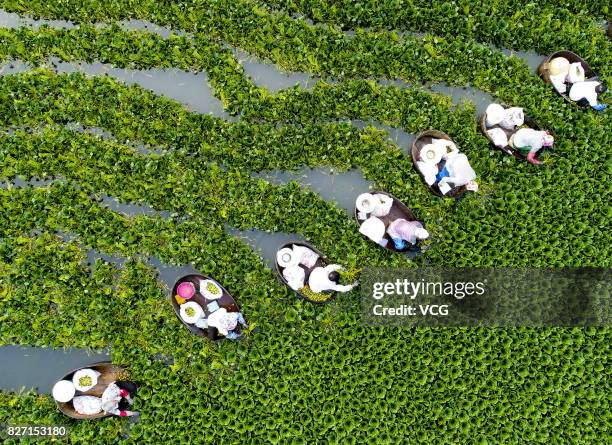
x: 185, y: 290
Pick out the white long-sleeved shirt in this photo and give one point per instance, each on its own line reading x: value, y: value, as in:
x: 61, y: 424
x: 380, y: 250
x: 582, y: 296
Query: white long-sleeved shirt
x: 223, y: 320
x: 319, y: 280
x: 402, y: 229
x: 87, y: 405
x: 558, y: 82
x: 429, y: 171
x: 584, y: 90
x: 295, y: 276
x: 528, y: 137
x: 460, y: 172
x: 109, y: 402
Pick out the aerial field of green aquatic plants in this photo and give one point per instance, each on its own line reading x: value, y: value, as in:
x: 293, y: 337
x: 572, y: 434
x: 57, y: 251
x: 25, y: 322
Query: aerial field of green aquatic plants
x: 304, y: 373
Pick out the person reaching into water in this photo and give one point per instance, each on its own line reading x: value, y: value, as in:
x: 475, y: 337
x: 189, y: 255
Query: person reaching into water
x: 115, y: 400
x: 589, y: 91
x: 529, y: 142
x: 117, y: 397
x: 226, y: 322
x: 457, y: 171
x: 327, y: 278
x: 402, y: 230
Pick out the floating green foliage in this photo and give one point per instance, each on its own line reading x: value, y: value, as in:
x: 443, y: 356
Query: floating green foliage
x: 305, y: 373
x: 311, y: 295
x: 514, y: 24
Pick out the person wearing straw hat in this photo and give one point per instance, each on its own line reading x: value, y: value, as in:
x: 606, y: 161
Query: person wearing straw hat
x: 564, y: 73
x: 529, y: 142
x: 430, y: 156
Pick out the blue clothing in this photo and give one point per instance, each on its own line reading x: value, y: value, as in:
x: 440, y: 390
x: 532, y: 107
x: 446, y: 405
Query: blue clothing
x: 399, y: 243
x: 442, y: 174
x: 232, y: 335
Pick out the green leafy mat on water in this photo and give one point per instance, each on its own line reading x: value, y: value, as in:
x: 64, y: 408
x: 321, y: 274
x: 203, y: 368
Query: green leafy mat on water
x: 311, y: 374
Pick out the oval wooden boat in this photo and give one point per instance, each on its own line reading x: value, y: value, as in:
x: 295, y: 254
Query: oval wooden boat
x: 423, y: 139
x: 108, y: 374
x: 321, y: 262
x: 398, y: 210
x: 225, y: 301
x: 508, y: 149
x: 573, y: 58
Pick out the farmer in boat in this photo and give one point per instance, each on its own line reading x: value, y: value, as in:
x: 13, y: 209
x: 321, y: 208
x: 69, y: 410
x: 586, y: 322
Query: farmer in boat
x: 529, y: 142
x: 291, y: 259
x: 402, y: 231
x: 226, y: 322
x: 456, y: 171
x: 588, y: 90
x: 327, y: 278
x: 507, y: 118
x: 116, y: 398
x: 564, y: 74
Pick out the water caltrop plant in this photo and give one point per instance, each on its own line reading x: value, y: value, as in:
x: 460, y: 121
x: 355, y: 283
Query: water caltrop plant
x: 304, y: 372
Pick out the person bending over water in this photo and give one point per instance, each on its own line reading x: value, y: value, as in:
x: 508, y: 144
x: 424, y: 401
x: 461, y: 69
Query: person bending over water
x: 116, y: 398
x: 402, y: 230
x: 327, y: 279
x: 529, y: 142
x: 457, y: 171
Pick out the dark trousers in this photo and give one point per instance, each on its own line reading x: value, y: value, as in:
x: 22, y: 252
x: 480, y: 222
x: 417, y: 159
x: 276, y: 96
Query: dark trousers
x: 129, y: 387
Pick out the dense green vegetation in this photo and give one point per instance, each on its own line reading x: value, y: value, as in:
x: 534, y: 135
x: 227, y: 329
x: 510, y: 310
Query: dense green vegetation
x: 325, y: 50
x: 515, y: 24
x: 310, y: 374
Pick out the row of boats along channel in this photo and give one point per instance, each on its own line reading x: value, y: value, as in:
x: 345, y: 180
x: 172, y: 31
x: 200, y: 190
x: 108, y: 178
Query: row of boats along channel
x: 207, y: 309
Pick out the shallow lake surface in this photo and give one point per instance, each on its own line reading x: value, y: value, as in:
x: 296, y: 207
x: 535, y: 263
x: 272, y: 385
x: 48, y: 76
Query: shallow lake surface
x: 181, y: 85
x: 145, y: 25
x: 115, y: 260
x: 132, y: 209
x: 269, y: 76
x: 25, y: 367
x: 189, y: 88
x: 400, y: 137
x: 480, y: 98
x: 265, y: 244
x: 263, y: 74
x: 13, y: 20
x: 19, y: 183
x: 193, y: 90
x: 531, y: 58
x: 14, y: 67
x: 141, y: 148
x: 168, y: 273
x: 342, y: 188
